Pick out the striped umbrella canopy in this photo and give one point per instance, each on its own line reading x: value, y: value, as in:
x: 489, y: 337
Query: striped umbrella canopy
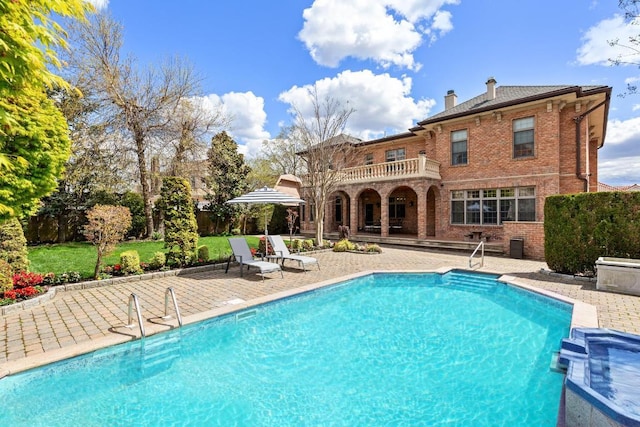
x: 264, y: 196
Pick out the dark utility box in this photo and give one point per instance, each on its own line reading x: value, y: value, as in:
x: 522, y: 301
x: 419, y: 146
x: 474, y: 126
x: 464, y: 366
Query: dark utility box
x: 516, y: 248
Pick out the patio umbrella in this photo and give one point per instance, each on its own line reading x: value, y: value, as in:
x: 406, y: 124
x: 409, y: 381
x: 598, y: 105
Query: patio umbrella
x: 267, y: 196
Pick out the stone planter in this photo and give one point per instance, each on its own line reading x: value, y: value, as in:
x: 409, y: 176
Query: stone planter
x: 618, y: 275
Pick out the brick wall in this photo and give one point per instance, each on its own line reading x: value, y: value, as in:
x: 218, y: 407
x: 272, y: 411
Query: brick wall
x: 531, y: 232
x: 551, y: 170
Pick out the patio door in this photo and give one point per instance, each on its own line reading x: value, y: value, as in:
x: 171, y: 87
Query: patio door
x: 368, y: 214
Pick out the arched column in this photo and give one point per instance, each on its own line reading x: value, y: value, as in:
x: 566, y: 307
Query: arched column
x: 422, y: 214
x: 353, y: 214
x: 384, y: 215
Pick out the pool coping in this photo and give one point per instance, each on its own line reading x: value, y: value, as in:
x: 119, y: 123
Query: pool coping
x: 583, y: 316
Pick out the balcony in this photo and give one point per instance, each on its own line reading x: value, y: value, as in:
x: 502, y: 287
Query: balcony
x: 420, y: 167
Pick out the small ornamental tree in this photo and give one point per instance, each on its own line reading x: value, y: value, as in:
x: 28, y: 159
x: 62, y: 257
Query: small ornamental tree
x: 291, y: 217
x: 13, y: 245
x: 180, y: 225
x: 107, y: 226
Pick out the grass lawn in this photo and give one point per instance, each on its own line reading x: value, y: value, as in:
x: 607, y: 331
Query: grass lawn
x: 81, y: 256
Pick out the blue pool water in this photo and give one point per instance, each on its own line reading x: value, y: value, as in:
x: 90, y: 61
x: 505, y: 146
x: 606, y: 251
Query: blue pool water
x: 392, y: 349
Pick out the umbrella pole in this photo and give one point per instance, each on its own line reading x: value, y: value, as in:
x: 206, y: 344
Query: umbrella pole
x: 266, y: 236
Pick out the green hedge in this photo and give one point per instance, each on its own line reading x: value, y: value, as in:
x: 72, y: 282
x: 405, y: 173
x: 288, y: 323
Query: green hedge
x: 579, y: 228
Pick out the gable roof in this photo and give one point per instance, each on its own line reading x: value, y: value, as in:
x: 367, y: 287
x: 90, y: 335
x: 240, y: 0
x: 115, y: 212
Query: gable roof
x: 343, y: 138
x: 511, y: 95
x: 606, y: 187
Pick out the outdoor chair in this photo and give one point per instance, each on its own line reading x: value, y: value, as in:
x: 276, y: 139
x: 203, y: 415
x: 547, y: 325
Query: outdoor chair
x: 281, y: 251
x: 242, y: 254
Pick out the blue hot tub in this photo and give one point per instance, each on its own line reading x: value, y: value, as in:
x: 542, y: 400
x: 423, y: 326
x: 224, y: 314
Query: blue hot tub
x: 603, y: 378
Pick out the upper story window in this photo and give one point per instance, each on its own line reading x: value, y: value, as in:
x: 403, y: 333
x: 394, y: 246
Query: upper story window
x: 523, y: 138
x: 395, y: 155
x: 459, y: 147
x: 368, y: 159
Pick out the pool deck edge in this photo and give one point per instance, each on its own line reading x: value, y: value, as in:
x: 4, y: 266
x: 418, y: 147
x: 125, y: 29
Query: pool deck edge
x: 583, y: 315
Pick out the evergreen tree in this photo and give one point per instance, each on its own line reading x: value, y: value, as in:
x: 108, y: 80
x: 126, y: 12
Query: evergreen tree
x: 13, y: 245
x: 181, y: 228
x: 227, y: 178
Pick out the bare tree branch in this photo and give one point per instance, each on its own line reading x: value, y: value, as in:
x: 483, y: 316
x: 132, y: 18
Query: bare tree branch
x: 141, y: 101
x: 325, y: 150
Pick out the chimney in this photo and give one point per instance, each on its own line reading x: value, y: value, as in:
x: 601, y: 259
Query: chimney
x: 450, y: 99
x: 491, y: 88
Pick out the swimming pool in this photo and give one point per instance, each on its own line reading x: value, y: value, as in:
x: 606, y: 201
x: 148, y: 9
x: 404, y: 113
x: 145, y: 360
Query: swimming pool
x: 386, y: 349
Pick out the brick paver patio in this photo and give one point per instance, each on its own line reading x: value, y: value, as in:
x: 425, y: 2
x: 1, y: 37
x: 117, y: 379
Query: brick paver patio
x: 78, y: 321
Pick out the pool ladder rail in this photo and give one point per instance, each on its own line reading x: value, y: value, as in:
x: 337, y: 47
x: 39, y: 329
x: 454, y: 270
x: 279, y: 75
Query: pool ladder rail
x: 481, y: 262
x: 167, y: 293
x: 135, y: 303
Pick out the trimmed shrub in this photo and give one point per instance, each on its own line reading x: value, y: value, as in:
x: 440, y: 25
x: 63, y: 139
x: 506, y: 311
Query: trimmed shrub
x: 203, y: 253
x: 372, y: 247
x: 13, y: 245
x: 343, y: 246
x: 308, y: 244
x: 6, y: 276
x: 130, y: 262
x: 157, y: 261
x: 579, y: 228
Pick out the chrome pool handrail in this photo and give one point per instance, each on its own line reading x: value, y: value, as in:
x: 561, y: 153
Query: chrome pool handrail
x: 133, y: 301
x: 171, y: 292
x: 481, y: 263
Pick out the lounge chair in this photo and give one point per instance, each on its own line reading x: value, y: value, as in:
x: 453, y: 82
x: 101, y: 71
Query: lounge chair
x: 282, y: 252
x: 242, y: 254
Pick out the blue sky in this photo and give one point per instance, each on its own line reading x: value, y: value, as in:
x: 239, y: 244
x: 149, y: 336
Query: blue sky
x: 392, y: 61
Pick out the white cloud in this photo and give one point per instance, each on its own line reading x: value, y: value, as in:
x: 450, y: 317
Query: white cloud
x: 619, y: 159
x: 99, y: 4
x: 623, y: 131
x: 248, y: 119
x: 620, y: 171
x: 387, y: 32
x: 596, y: 48
x: 382, y: 103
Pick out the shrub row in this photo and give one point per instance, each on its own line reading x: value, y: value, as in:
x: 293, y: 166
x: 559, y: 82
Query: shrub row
x: 579, y: 228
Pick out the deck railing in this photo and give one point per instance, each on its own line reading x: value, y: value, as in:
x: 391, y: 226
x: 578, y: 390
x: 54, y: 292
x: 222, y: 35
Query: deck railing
x: 420, y: 167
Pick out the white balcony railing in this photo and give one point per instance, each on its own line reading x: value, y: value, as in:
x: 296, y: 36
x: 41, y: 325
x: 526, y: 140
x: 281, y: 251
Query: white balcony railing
x: 420, y: 167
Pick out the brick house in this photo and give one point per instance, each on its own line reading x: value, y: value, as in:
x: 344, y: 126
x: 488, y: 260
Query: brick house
x: 480, y: 169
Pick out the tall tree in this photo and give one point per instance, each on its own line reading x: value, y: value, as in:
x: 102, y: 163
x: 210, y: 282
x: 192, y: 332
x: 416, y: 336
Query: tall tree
x: 94, y: 165
x: 227, y: 177
x: 632, y: 44
x: 282, y: 152
x: 33, y: 137
x: 142, y: 101
x: 192, y: 121
x: 325, y: 149
x: 262, y: 172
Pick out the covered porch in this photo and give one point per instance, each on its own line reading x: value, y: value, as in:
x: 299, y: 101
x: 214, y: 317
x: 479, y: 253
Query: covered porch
x: 412, y: 240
